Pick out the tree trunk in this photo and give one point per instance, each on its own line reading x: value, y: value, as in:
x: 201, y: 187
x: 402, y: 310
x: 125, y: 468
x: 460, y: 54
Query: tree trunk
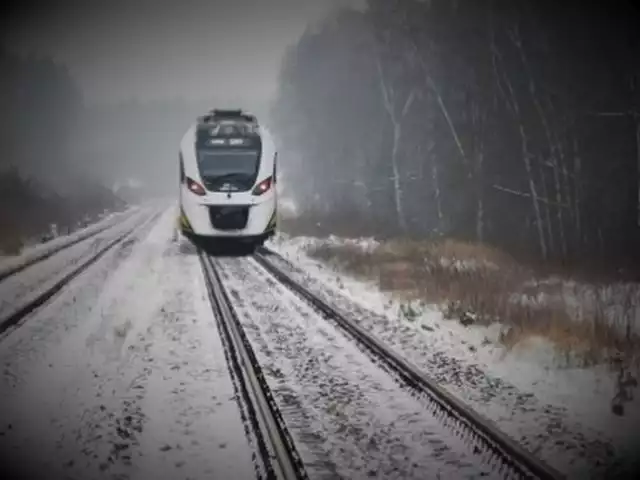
x: 480, y: 197
x: 637, y: 121
x: 515, y: 37
x: 389, y: 105
x: 577, y: 168
x: 534, y: 192
x: 436, y: 185
x: 397, y: 189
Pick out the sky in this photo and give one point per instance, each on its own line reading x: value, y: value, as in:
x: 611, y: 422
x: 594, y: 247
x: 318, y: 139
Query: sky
x: 160, y: 49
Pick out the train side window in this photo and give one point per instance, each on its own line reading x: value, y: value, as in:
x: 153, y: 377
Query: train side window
x: 182, y: 174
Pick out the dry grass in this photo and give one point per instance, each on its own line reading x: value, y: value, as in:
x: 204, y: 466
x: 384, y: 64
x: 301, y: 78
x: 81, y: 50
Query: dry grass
x: 11, y: 246
x: 11, y: 243
x: 476, y: 284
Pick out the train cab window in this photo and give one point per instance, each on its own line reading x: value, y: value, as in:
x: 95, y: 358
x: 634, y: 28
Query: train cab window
x: 219, y: 167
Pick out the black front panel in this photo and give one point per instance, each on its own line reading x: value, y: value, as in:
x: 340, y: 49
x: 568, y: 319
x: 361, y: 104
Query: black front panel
x: 231, y: 217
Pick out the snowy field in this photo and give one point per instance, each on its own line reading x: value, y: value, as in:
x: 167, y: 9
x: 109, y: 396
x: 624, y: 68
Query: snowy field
x: 562, y: 414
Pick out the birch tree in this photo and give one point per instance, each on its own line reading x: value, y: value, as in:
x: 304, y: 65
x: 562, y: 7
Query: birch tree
x: 464, y: 118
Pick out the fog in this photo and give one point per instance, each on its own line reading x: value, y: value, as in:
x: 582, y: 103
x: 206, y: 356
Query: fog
x: 501, y: 122
x: 144, y: 70
x: 160, y: 49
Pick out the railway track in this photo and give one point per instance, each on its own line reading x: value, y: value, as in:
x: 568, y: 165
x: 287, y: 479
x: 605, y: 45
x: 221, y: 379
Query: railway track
x: 482, y: 437
x: 277, y: 457
x: 44, y: 252
x: 32, y: 302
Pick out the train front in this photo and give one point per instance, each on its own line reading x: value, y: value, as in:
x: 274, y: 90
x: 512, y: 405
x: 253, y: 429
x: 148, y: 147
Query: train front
x: 228, y: 181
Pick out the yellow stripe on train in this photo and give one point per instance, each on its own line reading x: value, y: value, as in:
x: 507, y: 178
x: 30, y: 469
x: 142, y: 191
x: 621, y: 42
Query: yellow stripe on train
x: 273, y: 221
x: 184, y: 221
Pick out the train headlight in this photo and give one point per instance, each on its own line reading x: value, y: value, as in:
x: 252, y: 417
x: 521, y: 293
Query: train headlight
x: 195, y: 187
x: 263, y: 186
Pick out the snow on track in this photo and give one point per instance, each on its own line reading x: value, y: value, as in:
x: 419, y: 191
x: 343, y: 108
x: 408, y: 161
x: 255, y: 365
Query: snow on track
x: 123, y: 376
x: 350, y: 418
x: 544, y: 429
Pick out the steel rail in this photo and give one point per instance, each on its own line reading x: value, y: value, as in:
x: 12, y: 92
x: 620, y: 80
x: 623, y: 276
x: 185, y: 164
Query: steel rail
x: 275, y: 446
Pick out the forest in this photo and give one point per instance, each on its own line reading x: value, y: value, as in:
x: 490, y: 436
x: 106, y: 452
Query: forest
x: 513, y: 123
x: 41, y: 183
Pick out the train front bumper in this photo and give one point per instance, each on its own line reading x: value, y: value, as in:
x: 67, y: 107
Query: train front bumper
x: 247, y: 217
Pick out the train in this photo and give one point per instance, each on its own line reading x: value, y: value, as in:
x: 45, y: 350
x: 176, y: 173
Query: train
x: 228, y: 175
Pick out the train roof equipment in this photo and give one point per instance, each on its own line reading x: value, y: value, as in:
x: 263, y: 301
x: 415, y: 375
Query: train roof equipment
x: 218, y: 115
x: 228, y: 128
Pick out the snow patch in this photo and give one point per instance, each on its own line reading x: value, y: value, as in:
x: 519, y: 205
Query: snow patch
x: 466, y: 265
x: 303, y: 243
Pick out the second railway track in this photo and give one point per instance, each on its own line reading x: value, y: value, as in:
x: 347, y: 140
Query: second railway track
x: 31, y: 302
x: 46, y: 251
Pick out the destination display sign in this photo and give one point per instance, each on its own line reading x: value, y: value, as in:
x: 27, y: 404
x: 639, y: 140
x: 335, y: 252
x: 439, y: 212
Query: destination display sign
x: 230, y: 142
x: 235, y: 142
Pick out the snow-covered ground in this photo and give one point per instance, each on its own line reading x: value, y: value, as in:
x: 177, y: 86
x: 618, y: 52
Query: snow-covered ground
x: 563, y: 415
x: 123, y: 374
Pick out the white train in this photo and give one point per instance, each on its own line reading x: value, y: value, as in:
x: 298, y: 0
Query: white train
x: 228, y: 179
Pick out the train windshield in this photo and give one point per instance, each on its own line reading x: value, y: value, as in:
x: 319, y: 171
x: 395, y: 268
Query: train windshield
x: 234, y: 170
